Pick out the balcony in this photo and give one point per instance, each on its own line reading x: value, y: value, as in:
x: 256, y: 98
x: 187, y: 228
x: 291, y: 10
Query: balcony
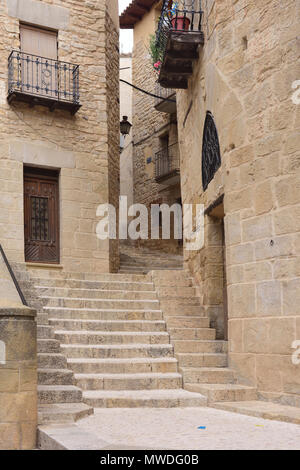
x: 41, y: 81
x: 166, y: 101
x: 178, y: 38
x: 167, y: 165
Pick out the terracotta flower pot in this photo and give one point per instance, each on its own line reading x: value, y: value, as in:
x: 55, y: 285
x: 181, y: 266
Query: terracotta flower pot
x: 180, y: 23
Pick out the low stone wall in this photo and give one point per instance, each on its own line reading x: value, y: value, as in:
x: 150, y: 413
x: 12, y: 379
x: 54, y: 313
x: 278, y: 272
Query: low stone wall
x: 18, y: 378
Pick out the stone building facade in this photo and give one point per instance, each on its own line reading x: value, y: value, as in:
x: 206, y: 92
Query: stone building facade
x: 244, y: 77
x: 153, y: 131
x: 81, y: 149
x: 241, y: 100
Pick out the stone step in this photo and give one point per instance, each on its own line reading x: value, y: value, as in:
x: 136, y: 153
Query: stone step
x: 140, y: 257
x: 202, y: 359
x: 103, y: 314
x: 55, y: 377
x: 200, y: 346
x: 63, y: 412
x: 68, y: 436
x: 138, y: 381
x: 100, y: 285
x: 192, y: 333
x: 42, y: 318
x: 262, y: 409
x: 171, y: 275
x: 173, y: 301
x: 51, y: 361
x: 168, y: 283
x: 143, y: 399
x: 208, y: 375
x: 223, y: 392
x: 129, y: 271
x: 44, y: 332
x: 117, y: 350
x: 176, y: 292
x: 123, y: 366
x: 188, y: 322
x: 94, y: 294
x: 108, y: 325
x: 101, y: 303
x: 175, y: 310
x: 48, y: 346
x: 107, y: 337
x: 48, y: 394
x: 135, y: 268
x: 39, y: 275
x: 150, y: 260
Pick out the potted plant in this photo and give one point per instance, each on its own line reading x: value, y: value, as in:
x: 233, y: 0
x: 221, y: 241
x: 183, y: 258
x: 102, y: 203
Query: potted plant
x: 179, y: 22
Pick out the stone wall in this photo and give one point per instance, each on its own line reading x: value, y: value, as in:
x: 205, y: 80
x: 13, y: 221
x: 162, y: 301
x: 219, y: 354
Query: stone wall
x: 18, y: 368
x: 84, y: 147
x: 113, y: 126
x: 244, y: 77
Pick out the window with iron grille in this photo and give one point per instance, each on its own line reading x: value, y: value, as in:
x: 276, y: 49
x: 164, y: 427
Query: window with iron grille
x: 211, y: 156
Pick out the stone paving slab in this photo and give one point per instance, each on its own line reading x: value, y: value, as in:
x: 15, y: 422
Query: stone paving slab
x: 178, y: 429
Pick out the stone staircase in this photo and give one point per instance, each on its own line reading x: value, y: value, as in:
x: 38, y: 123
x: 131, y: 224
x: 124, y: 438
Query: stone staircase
x: 59, y: 399
x: 142, y: 260
x: 103, y: 343
x: 125, y: 340
x: 202, y: 359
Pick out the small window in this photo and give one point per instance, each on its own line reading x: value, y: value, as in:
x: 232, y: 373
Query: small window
x: 211, y: 156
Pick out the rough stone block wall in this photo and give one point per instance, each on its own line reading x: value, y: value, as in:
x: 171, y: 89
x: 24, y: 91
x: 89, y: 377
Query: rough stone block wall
x: 244, y: 77
x: 113, y: 113
x: 83, y: 146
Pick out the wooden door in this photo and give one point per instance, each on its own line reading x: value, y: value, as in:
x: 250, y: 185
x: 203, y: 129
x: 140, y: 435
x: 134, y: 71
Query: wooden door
x: 40, y: 73
x: 41, y: 214
x: 225, y: 295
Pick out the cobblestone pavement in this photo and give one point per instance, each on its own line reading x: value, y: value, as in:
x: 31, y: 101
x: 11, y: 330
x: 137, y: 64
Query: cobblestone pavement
x: 177, y: 428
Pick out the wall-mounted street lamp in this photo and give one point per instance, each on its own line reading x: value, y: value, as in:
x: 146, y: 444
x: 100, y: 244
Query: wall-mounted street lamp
x: 125, y: 126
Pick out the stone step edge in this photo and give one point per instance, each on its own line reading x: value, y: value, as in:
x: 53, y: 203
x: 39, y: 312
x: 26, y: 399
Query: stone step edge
x: 97, y: 290
x: 99, y: 300
x: 111, y: 310
x: 111, y: 333
x: 127, y: 376
x: 261, y: 409
x: 120, y: 346
x: 120, y: 360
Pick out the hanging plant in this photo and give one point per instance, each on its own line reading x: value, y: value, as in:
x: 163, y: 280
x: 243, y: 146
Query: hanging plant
x: 155, y: 52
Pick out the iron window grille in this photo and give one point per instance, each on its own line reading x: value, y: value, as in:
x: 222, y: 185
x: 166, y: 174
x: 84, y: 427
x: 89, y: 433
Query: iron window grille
x: 211, y: 155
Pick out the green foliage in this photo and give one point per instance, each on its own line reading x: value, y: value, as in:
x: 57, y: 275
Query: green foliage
x: 154, y: 49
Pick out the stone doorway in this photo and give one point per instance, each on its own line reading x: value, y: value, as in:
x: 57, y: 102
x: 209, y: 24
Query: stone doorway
x: 219, y: 317
x: 41, y: 215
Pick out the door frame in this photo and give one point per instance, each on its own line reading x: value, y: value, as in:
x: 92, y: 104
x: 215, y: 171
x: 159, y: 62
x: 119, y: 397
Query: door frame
x: 47, y: 175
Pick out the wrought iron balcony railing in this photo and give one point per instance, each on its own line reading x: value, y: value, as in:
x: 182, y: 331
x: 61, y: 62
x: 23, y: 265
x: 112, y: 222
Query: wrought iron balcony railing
x: 178, y: 36
x: 38, y: 80
x: 165, y: 101
x: 167, y: 162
